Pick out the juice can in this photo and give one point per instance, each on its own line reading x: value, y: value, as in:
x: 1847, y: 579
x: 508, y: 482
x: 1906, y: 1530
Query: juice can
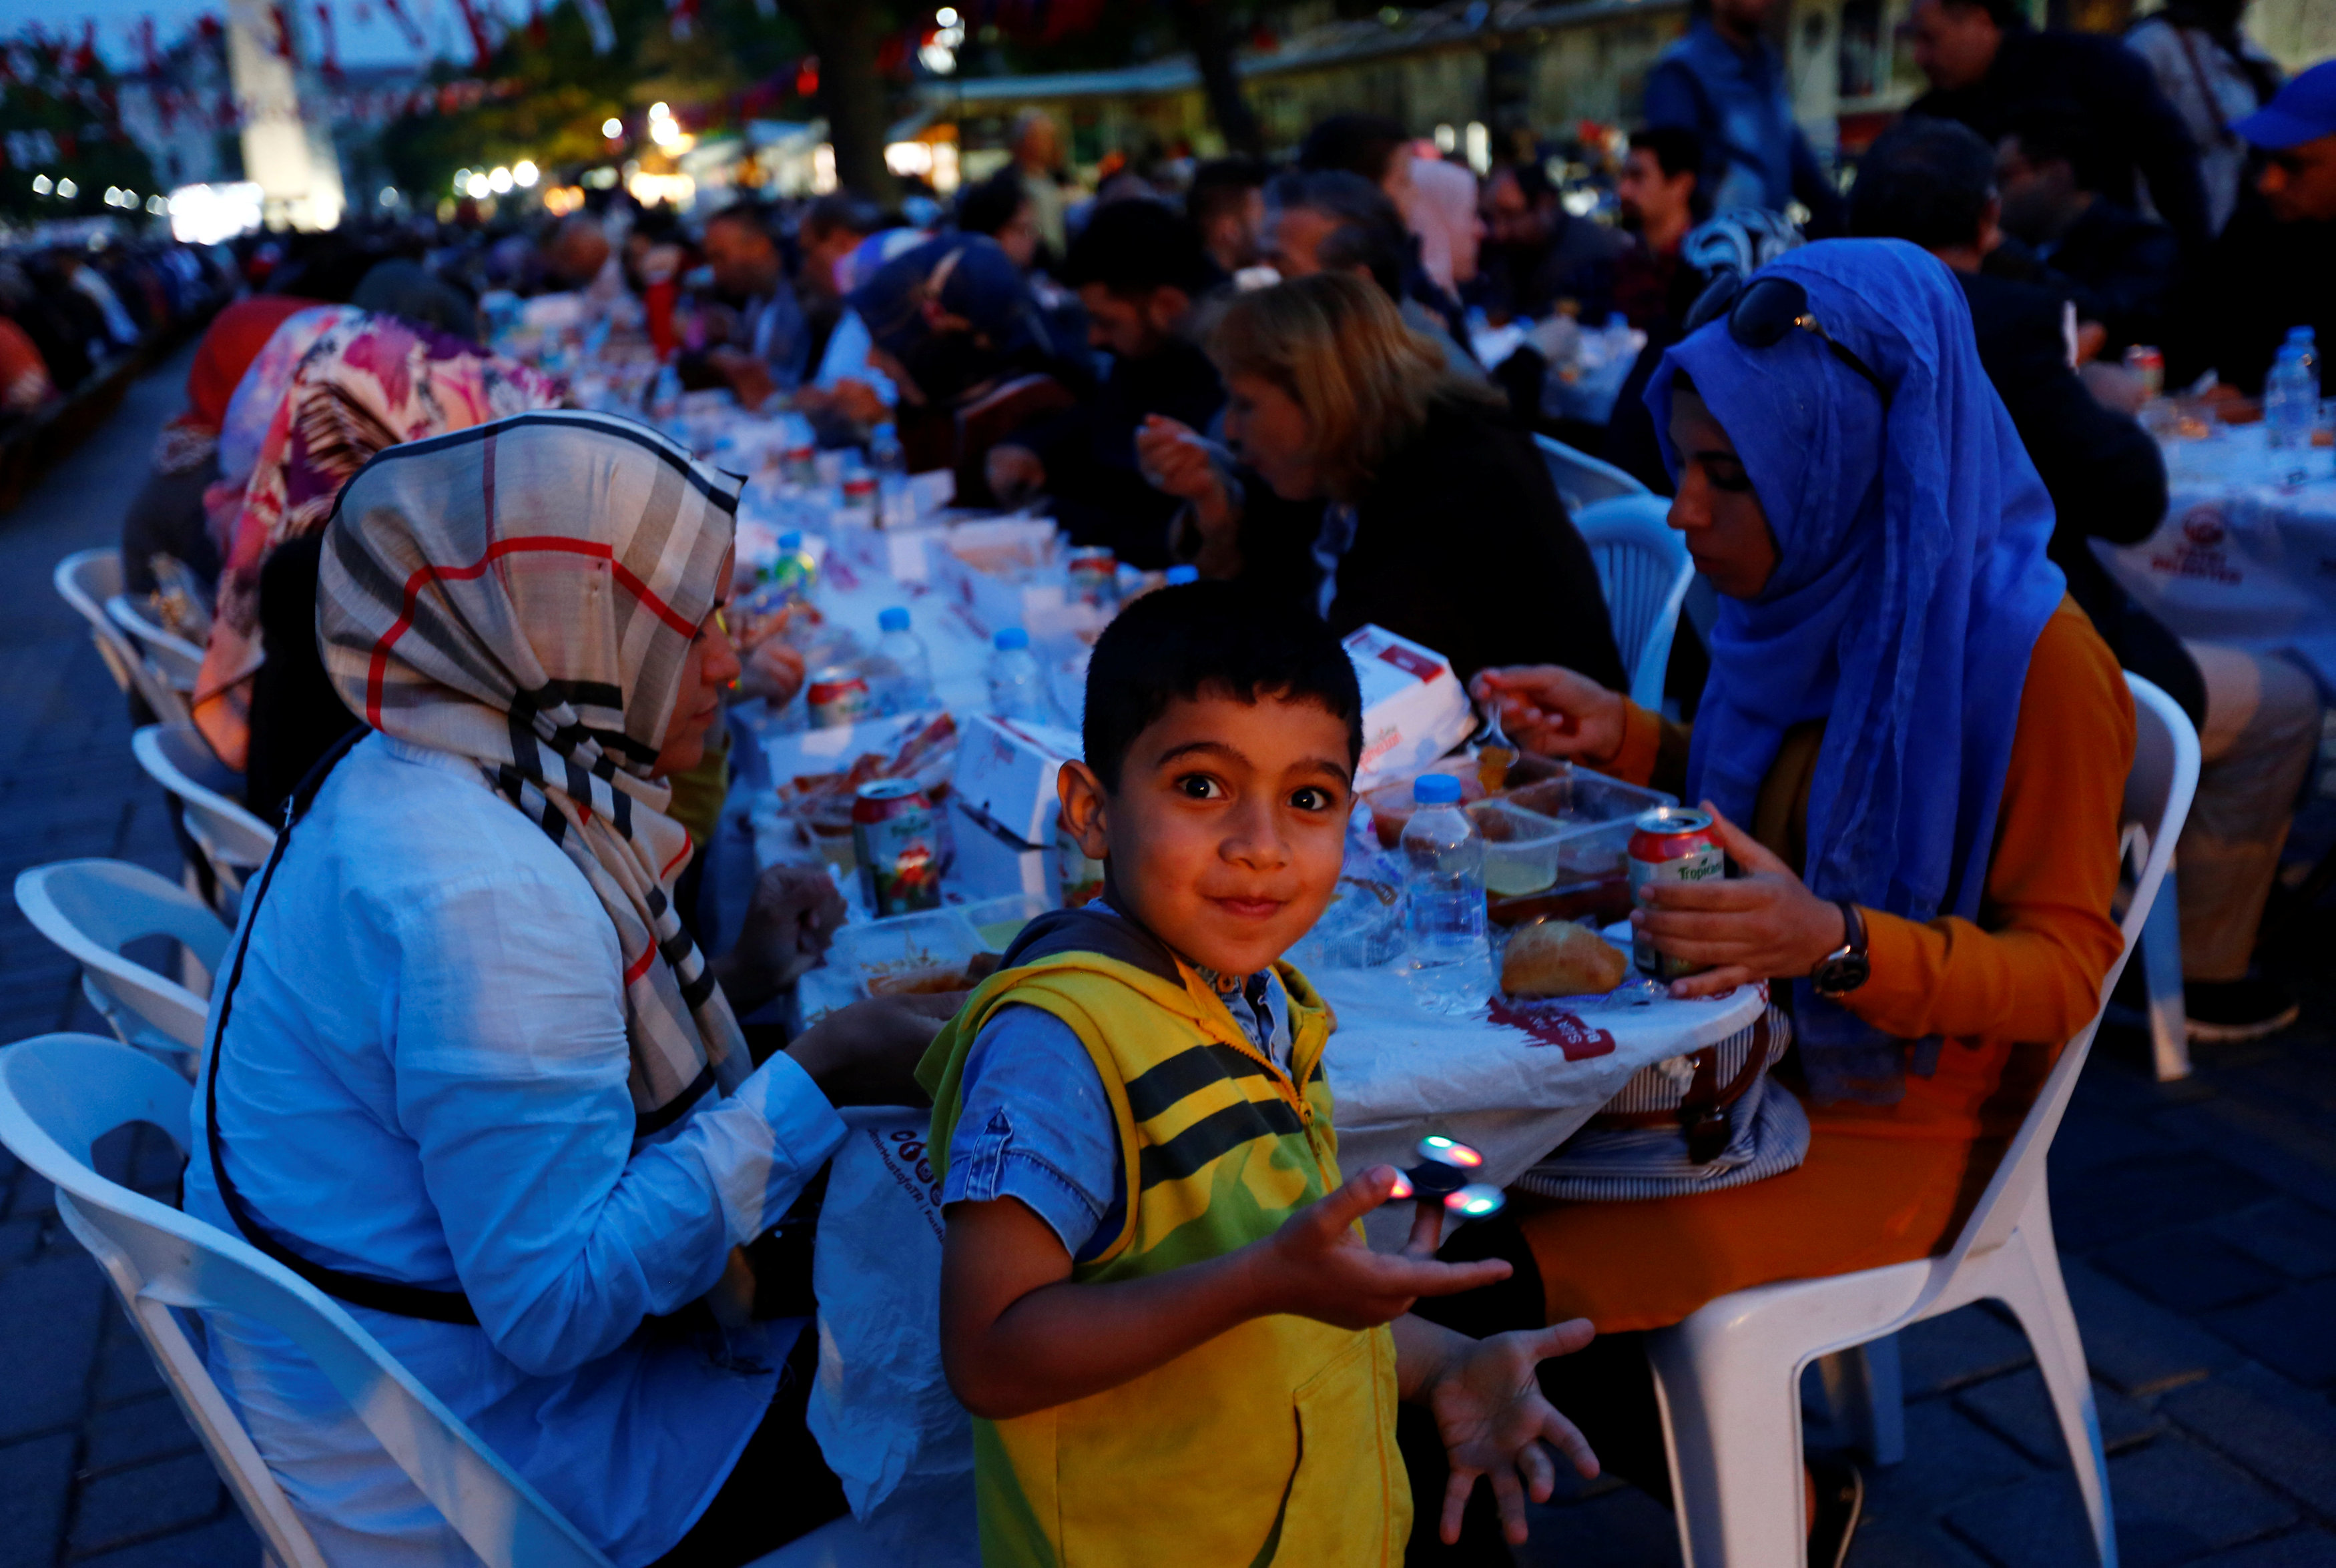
x: 798, y: 465
x: 1671, y: 844
x: 2147, y: 363
x: 859, y: 501
x: 838, y: 696
x: 1094, y: 577
x: 895, y: 836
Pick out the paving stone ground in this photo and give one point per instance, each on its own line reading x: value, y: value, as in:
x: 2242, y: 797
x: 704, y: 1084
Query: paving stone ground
x: 2196, y: 1223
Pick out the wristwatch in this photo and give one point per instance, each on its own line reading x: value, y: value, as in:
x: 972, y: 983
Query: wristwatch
x: 1845, y: 968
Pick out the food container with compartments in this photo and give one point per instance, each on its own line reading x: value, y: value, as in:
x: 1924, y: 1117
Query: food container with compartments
x: 1567, y: 831
x: 929, y: 952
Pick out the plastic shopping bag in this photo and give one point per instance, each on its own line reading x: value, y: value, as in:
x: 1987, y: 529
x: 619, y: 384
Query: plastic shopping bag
x: 882, y: 1410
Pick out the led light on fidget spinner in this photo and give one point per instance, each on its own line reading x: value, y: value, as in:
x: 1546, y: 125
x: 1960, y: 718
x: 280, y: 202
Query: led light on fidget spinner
x: 1442, y: 1175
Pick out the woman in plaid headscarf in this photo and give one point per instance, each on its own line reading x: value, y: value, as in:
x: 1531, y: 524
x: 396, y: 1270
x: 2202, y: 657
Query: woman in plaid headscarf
x: 469, y: 1073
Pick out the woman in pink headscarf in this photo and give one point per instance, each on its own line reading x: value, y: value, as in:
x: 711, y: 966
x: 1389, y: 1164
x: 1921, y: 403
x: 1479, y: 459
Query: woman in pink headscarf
x: 368, y: 382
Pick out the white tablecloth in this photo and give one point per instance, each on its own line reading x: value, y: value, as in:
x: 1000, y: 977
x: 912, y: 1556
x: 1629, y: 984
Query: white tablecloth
x: 2247, y: 553
x: 1398, y: 1072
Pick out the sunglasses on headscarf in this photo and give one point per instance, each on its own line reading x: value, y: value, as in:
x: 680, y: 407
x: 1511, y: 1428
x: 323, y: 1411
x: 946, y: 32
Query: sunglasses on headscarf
x: 1760, y: 312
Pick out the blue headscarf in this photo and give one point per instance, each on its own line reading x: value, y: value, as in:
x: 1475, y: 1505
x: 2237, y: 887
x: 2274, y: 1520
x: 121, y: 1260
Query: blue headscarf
x: 1909, y: 586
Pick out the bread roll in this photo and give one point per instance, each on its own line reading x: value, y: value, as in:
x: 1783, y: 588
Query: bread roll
x: 1558, y: 958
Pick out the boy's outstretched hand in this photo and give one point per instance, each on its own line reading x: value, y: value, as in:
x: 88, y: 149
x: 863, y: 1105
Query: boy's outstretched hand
x: 1488, y: 1407
x: 1316, y: 1267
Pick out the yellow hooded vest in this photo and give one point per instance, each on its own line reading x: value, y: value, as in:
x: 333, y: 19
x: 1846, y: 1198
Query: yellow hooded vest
x: 1273, y: 1443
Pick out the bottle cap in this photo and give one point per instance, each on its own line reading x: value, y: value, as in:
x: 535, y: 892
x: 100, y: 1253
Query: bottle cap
x: 790, y: 541
x: 1435, y: 789
x: 1179, y: 576
x: 1010, y: 638
x: 883, y: 431
x: 894, y: 619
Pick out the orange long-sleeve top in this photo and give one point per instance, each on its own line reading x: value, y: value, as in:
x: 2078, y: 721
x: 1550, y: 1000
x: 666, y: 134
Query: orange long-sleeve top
x: 1889, y: 1184
x: 2030, y: 968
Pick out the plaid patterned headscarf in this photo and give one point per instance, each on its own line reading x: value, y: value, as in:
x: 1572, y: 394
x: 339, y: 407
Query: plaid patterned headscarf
x: 524, y: 594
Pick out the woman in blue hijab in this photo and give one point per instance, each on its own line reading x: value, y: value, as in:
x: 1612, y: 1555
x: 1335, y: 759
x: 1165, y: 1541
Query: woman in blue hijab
x: 1916, y: 748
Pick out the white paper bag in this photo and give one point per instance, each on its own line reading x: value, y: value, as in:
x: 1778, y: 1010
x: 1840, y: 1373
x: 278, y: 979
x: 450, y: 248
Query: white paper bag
x: 881, y: 1410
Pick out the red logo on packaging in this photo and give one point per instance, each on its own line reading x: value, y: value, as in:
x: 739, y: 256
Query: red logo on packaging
x: 1555, y: 1026
x: 1411, y: 664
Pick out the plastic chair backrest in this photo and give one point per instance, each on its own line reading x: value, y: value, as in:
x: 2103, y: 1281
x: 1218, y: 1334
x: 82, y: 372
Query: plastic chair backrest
x: 169, y: 667
x: 2158, y: 791
x: 178, y: 661
x: 87, y: 580
x: 1582, y: 478
x: 178, y: 757
x: 92, y: 909
x: 59, y: 1093
x: 1644, y: 569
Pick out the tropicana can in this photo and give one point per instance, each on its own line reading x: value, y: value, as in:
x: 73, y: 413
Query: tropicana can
x: 1671, y: 844
x: 836, y: 696
x: 896, y: 840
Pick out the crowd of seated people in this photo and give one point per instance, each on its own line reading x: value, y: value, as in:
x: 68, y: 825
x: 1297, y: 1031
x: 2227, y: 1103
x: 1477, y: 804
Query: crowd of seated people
x: 1268, y: 373
x: 68, y: 312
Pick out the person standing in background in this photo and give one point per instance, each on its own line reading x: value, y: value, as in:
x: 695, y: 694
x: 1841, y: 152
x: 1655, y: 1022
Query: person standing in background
x: 1989, y: 69
x: 2214, y: 76
x: 1726, y: 82
x: 1038, y: 148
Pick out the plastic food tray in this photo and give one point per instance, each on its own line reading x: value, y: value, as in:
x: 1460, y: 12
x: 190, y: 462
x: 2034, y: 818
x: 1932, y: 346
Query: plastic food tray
x: 943, y: 938
x: 1589, y: 817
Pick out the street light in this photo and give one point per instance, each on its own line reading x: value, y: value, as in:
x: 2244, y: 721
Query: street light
x: 612, y: 128
x: 524, y: 173
x: 476, y: 187
x: 67, y: 190
x: 42, y: 185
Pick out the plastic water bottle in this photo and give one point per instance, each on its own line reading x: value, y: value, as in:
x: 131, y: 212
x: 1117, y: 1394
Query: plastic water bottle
x: 1444, y: 900
x: 785, y: 583
x: 908, y: 680
x: 895, y: 508
x: 1177, y: 577
x: 1018, y: 685
x: 2291, y: 390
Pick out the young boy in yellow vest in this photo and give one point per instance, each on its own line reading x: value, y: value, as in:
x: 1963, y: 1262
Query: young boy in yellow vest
x: 1155, y: 1299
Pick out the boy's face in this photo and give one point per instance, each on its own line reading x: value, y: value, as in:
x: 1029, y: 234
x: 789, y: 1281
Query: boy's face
x: 1228, y: 828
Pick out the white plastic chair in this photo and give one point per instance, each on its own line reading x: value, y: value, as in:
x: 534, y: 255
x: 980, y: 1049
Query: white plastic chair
x: 171, y: 662
x: 233, y: 842
x: 92, y: 909
x: 176, y: 659
x: 90, y: 580
x: 1644, y: 569
x: 58, y: 1094
x: 1728, y: 1378
x: 1582, y: 478
x: 2161, y: 972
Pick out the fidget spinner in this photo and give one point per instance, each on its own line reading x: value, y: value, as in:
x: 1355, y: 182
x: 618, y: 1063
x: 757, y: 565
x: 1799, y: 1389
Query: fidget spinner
x: 1442, y: 1177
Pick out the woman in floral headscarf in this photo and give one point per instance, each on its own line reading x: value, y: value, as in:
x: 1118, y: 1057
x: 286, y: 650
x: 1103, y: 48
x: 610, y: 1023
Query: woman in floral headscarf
x: 367, y: 383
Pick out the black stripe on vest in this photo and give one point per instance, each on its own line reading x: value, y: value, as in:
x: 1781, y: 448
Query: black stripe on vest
x: 1215, y: 1135
x: 1187, y: 1072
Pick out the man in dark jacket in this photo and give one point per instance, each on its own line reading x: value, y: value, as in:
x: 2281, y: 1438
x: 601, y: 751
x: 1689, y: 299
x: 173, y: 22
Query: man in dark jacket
x: 1138, y: 266
x: 1991, y: 71
x: 2118, y: 267
x: 2275, y: 267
